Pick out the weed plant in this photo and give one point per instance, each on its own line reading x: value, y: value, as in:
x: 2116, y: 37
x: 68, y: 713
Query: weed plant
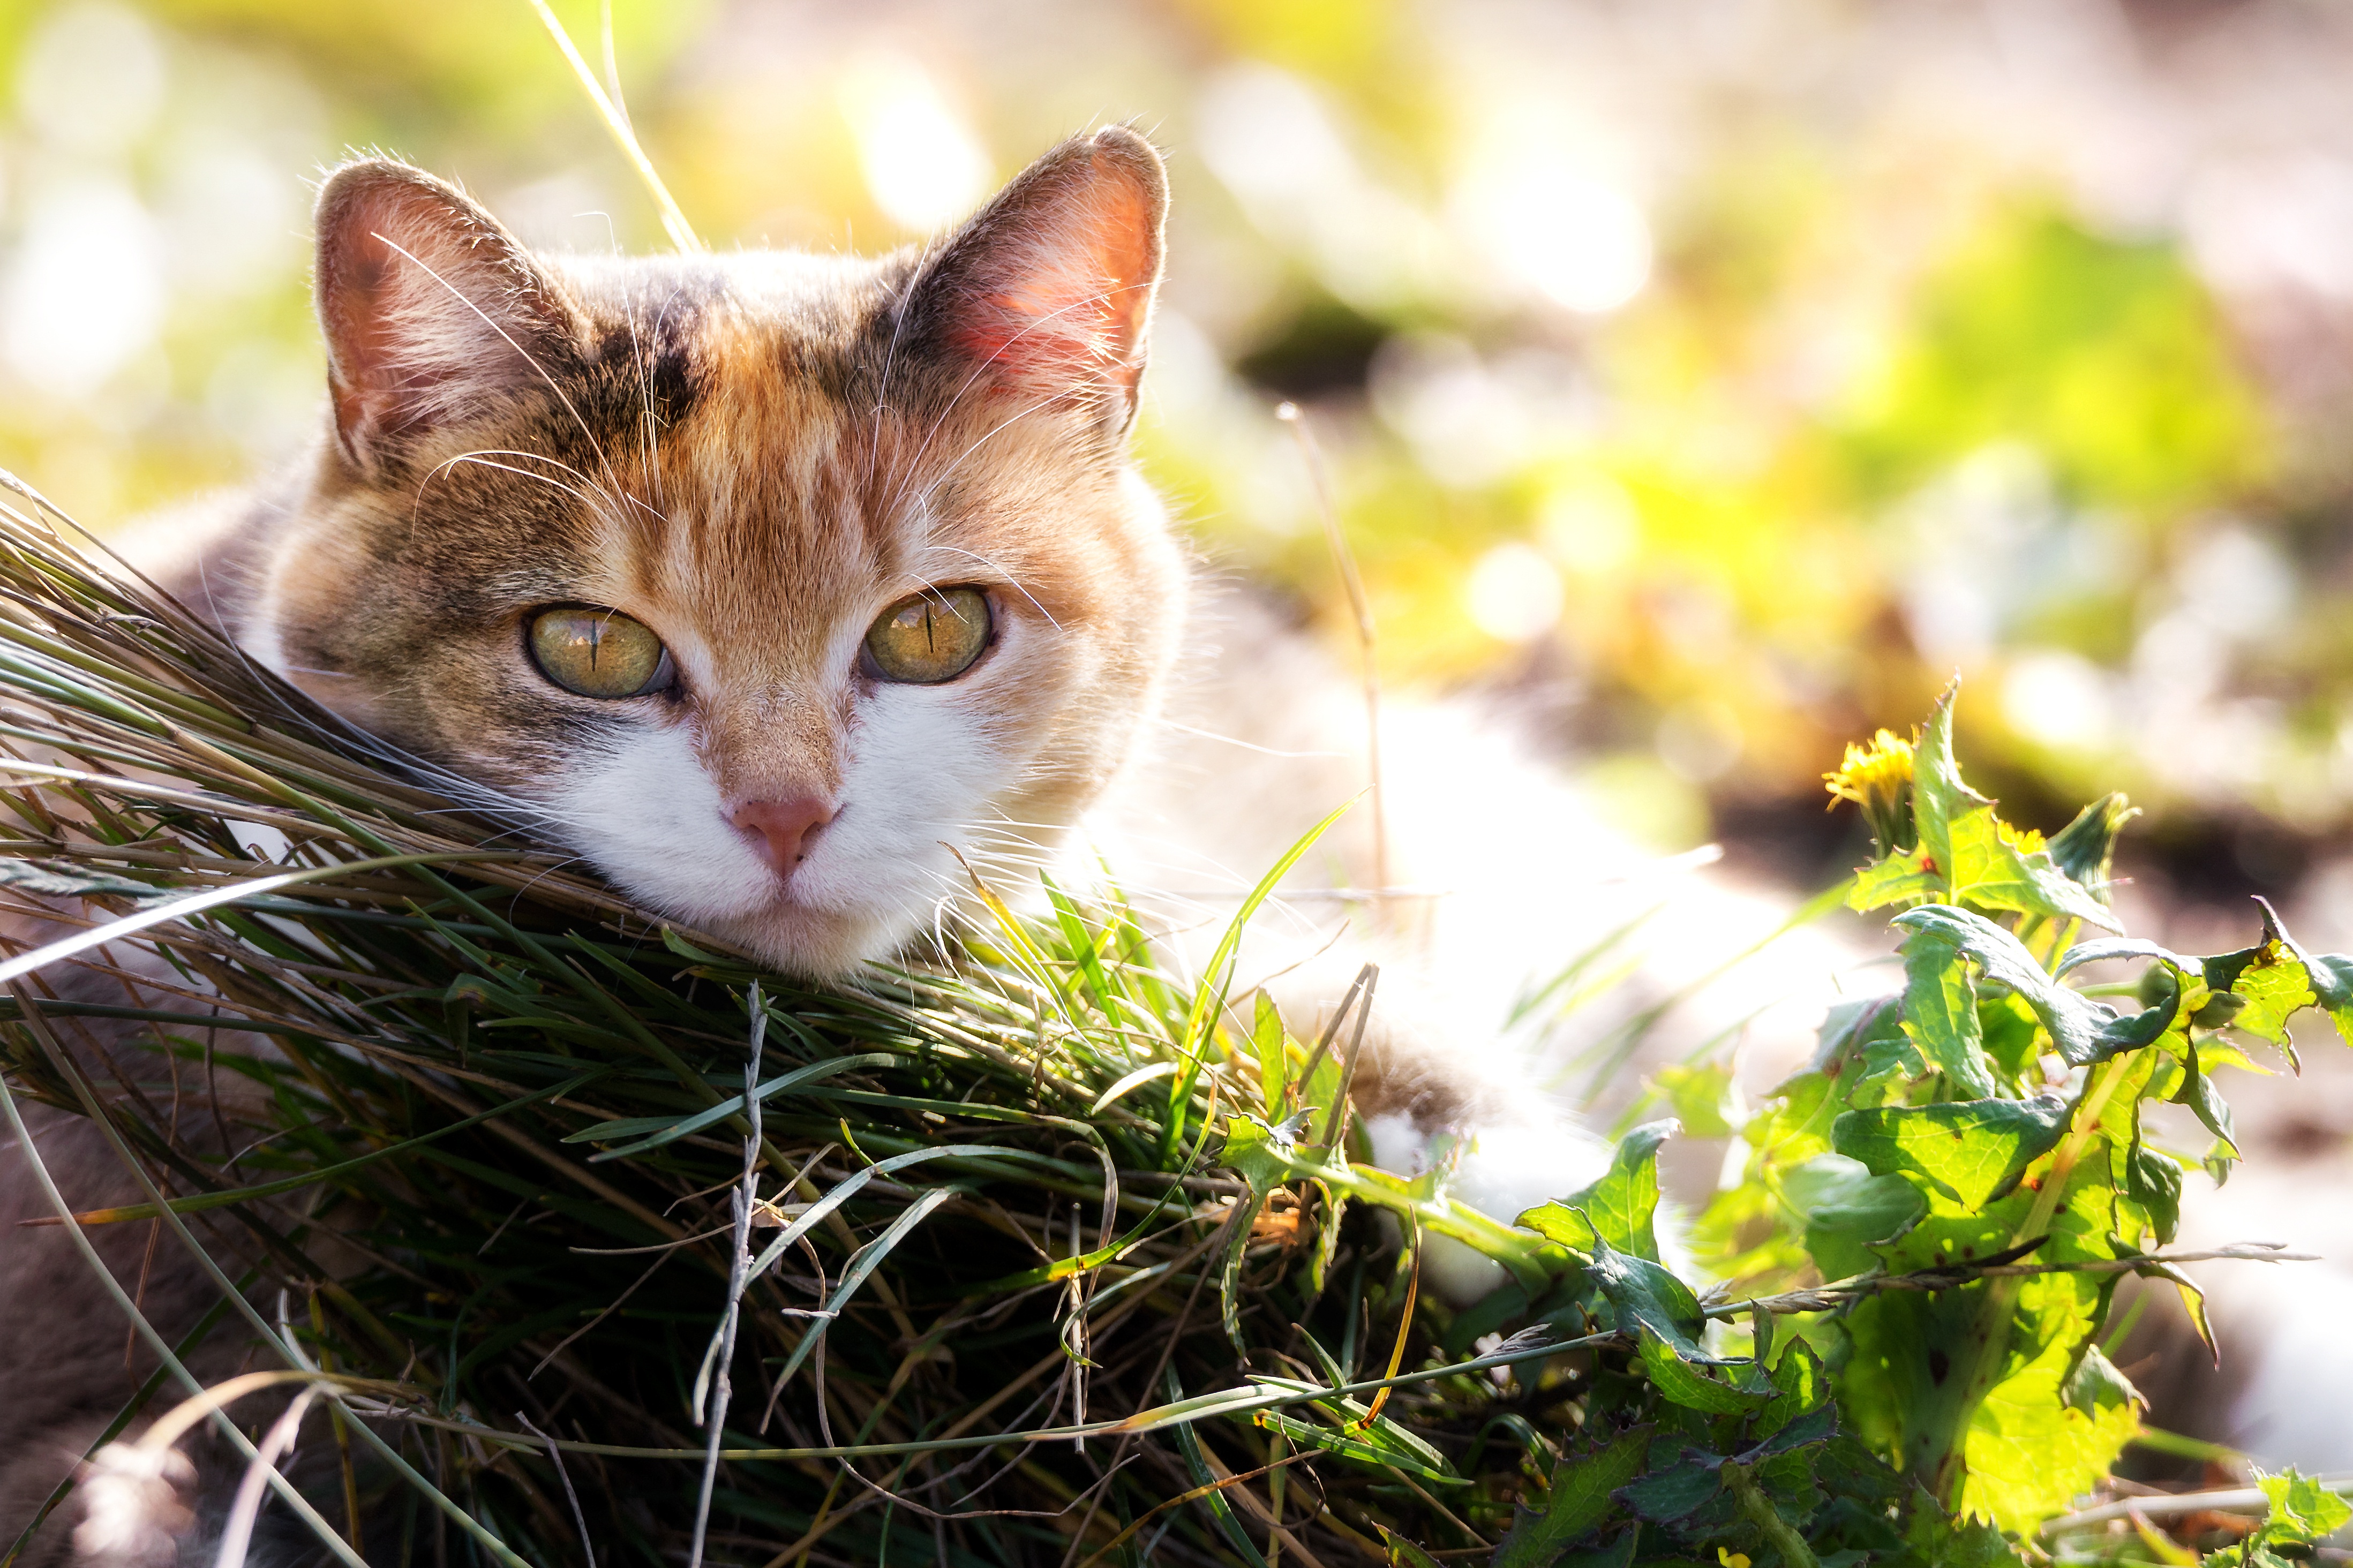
x: 595, y: 1242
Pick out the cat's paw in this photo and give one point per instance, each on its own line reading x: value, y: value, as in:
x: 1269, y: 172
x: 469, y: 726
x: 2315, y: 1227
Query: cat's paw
x: 134, y: 1508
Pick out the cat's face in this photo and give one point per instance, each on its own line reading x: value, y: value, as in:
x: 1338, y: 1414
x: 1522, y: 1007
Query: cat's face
x: 769, y: 582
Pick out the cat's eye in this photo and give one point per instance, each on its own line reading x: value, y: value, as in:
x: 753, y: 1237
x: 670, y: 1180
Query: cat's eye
x: 928, y: 638
x: 598, y: 653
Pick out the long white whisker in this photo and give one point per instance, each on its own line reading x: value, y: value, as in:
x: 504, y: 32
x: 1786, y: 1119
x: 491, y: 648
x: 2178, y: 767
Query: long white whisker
x: 528, y: 357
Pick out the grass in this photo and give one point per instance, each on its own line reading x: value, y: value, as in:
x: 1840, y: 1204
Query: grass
x: 594, y: 1231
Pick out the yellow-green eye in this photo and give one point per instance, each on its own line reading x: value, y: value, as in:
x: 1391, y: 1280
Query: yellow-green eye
x: 598, y: 653
x: 930, y: 637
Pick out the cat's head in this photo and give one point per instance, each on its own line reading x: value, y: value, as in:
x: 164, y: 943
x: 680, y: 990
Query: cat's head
x: 766, y: 582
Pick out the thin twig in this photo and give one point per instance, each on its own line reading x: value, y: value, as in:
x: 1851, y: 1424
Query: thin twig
x: 739, y: 1270
x: 1840, y: 1292
x: 2179, y: 1503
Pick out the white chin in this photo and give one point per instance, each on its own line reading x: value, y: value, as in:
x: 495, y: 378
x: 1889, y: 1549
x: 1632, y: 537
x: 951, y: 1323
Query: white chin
x: 810, y: 943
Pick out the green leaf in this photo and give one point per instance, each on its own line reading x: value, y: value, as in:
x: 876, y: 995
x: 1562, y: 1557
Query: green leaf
x: 1940, y: 1011
x: 1905, y: 876
x: 2198, y: 1092
x: 2086, y: 847
x: 1404, y: 1553
x: 1273, y: 1053
x: 2270, y: 984
x: 1703, y: 1097
x: 1804, y: 1384
x: 1381, y: 1445
x: 1257, y: 1153
x: 1580, y: 1498
x: 2332, y: 982
x: 2301, y: 1509
x: 1980, y: 858
x: 1995, y: 867
x: 2154, y: 1182
x: 1618, y: 1205
x: 2080, y: 1029
x: 1196, y: 1465
x: 1682, y: 1384
x: 1646, y: 1296
x: 1840, y: 1195
x: 1623, y: 1201
x: 1675, y: 1492
x: 669, y: 1128
x: 1939, y: 1540
x: 1971, y: 1151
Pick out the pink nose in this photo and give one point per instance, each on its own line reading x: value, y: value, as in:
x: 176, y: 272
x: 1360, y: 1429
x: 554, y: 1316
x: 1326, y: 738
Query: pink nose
x: 782, y: 830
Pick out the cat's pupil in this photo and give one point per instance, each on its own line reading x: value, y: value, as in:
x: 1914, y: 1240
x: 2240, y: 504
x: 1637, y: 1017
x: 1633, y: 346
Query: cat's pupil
x: 930, y: 637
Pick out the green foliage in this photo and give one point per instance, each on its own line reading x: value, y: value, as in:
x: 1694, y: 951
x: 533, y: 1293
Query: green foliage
x: 2107, y: 356
x: 2302, y: 1511
x: 1897, y: 1363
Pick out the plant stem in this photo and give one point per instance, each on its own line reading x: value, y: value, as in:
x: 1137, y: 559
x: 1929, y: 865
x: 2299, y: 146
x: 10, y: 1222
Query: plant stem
x: 1944, y: 1440
x: 1758, y: 1508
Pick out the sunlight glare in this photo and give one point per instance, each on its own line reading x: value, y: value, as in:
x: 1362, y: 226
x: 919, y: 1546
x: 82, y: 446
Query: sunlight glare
x: 1580, y: 240
x: 1514, y: 594
x: 922, y: 165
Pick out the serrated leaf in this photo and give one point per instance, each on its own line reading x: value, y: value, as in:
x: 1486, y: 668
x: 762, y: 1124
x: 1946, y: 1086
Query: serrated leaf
x: 1617, y: 1206
x: 1257, y: 1153
x: 2301, y: 1509
x: 2330, y: 974
x: 1908, y: 876
x: 1980, y: 858
x: 1404, y: 1553
x: 2082, y: 1030
x: 1846, y: 1025
x: 1940, y: 1011
x: 1819, y: 1424
x: 1997, y: 868
x: 1580, y: 1498
x: 1805, y: 1387
x: 2029, y: 1452
x: 1676, y: 1492
x: 1647, y: 1295
x: 1971, y: 1151
x: 2198, y: 1092
x: 2086, y: 847
x: 2154, y: 1182
x: 1680, y: 1383
x: 2273, y: 985
x: 2096, y: 1385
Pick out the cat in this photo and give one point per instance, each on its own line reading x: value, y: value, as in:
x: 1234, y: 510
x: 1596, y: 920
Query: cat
x: 790, y: 592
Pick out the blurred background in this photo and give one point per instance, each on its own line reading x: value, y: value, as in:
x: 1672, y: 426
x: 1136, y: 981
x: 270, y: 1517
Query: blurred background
x: 1706, y: 380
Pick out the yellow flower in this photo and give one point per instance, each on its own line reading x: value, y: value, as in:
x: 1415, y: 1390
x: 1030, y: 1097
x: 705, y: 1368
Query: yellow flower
x: 1878, y: 778
x: 1740, y: 1559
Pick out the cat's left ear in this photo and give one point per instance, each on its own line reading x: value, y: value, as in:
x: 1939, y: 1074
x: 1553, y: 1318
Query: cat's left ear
x: 1047, y: 292
x: 434, y: 314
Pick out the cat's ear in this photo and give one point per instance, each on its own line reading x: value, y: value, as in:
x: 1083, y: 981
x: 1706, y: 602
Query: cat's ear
x: 1047, y: 291
x: 432, y: 311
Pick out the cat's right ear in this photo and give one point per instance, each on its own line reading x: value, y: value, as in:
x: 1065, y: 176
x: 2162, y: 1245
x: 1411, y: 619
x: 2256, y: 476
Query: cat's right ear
x: 1046, y: 294
x: 433, y: 312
